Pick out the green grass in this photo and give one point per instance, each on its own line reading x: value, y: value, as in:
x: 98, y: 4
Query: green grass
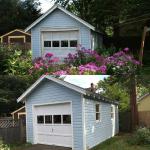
x: 13, y: 146
x: 120, y: 142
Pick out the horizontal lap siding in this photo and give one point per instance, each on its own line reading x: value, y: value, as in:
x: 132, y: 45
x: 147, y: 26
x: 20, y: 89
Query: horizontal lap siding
x: 48, y: 92
x: 97, y: 132
x: 59, y: 19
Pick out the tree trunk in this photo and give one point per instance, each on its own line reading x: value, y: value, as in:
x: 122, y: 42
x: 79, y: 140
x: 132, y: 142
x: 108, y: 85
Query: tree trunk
x: 133, y: 103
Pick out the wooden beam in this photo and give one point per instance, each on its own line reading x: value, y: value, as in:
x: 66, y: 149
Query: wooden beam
x: 143, y: 44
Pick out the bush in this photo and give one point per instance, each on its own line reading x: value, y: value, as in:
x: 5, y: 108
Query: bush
x: 141, y: 137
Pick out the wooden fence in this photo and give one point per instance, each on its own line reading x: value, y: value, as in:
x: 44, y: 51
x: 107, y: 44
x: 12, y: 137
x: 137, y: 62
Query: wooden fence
x: 144, y: 118
x: 12, y: 131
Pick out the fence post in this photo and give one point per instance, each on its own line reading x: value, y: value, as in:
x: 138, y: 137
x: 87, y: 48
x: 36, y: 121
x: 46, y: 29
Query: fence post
x: 21, y: 131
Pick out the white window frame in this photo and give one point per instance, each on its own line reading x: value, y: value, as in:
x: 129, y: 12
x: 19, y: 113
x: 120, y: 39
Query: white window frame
x: 112, y: 112
x: 98, y: 112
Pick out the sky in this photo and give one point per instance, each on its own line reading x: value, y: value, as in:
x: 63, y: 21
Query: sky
x: 46, y: 4
x: 84, y: 81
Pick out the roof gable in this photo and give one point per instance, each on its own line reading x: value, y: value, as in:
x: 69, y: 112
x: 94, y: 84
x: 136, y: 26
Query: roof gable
x: 65, y: 11
x: 61, y: 82
x: 86, y: 94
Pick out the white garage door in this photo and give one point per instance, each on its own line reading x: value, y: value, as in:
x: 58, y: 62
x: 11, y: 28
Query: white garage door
x: 60, y: 43
x: 53, y: 125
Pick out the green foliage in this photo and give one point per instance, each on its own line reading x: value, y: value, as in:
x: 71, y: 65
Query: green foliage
x: 116, y: 91
x: 17, y: 14
x: 14, y: 61
x: 141, y: 137
x: 11, y: 87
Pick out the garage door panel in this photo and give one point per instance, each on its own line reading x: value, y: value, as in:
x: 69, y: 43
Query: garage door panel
x: 54, y: 134
x: 53, y: 109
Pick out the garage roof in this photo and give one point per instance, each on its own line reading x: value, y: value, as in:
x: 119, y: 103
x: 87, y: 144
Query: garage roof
x: 65, y: 11
x: 86, y: 93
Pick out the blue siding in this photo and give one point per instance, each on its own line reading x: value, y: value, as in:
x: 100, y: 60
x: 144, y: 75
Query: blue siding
x: 59, y: 19
x: 48, y: 92
x: 97, y: 132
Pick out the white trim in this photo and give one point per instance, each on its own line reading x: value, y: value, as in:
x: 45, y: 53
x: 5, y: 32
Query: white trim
x: 65, y: 11
x: 19, y: 114
x: 83, y: 123
x: 52, y: 103
x: 44, y: 29
x: 66, y: 84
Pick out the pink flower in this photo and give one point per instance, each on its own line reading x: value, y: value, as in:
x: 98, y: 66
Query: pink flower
x: 37, y: 66
x: 126, y: 49
x: 103, y: 69
x: 60, y: 72
x: 49, y: 55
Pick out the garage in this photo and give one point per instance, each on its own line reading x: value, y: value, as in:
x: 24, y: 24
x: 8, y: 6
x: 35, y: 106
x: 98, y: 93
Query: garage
x: 53, y: 124
x: 60, y: 43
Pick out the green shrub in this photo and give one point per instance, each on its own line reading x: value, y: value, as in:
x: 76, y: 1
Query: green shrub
x: 141, y: 137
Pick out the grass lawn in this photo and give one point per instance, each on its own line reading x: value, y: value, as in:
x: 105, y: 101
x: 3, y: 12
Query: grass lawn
x: 120, y: 143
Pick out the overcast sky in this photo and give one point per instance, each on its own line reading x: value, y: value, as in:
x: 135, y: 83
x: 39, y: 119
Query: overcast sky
x: 46, y: 4
x: 84, y: 80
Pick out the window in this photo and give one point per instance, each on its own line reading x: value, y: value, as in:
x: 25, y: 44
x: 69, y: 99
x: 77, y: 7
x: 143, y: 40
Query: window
x: 73, y: 43
x: 40, y: 119
x: 112, y: 112
x: 64, y: 43
x: 97, y: 108
x: 66, y: 119
x: 55, y: 43
x: 47, y: 43
x: 48, y: 119
x: 57, y: 119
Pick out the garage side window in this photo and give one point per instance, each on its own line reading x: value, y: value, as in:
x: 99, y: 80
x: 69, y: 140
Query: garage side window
x: 66, y: 119
x: 40, y: 119
x: 57, y: 119
x: 112, y: 112
x: 97, y: 114
x: 48, y: 119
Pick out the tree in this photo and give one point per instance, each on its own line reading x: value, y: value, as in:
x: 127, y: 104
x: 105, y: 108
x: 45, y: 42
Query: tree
x: 115, y: 91
x: 17, y: 14
x: 11, y: 87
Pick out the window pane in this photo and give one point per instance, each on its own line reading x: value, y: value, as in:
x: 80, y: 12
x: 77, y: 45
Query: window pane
x: 48, y: 119
x: 97, y: 107
x: 47, y: 43
x: 57, y: 119
x: 55, y: 43
x: 97, y: 116
x: 73, y: 43
x: 40, y: 119
x: 64, y: 43
x: 67, y: 119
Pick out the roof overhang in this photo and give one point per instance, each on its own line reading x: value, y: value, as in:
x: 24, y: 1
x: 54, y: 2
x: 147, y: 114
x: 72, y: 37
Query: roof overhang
x: 65, y: 11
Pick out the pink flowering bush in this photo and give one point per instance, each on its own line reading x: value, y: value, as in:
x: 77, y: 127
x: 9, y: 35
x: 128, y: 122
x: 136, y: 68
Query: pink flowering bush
x: 44, y: 65
x: 87, y: 62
